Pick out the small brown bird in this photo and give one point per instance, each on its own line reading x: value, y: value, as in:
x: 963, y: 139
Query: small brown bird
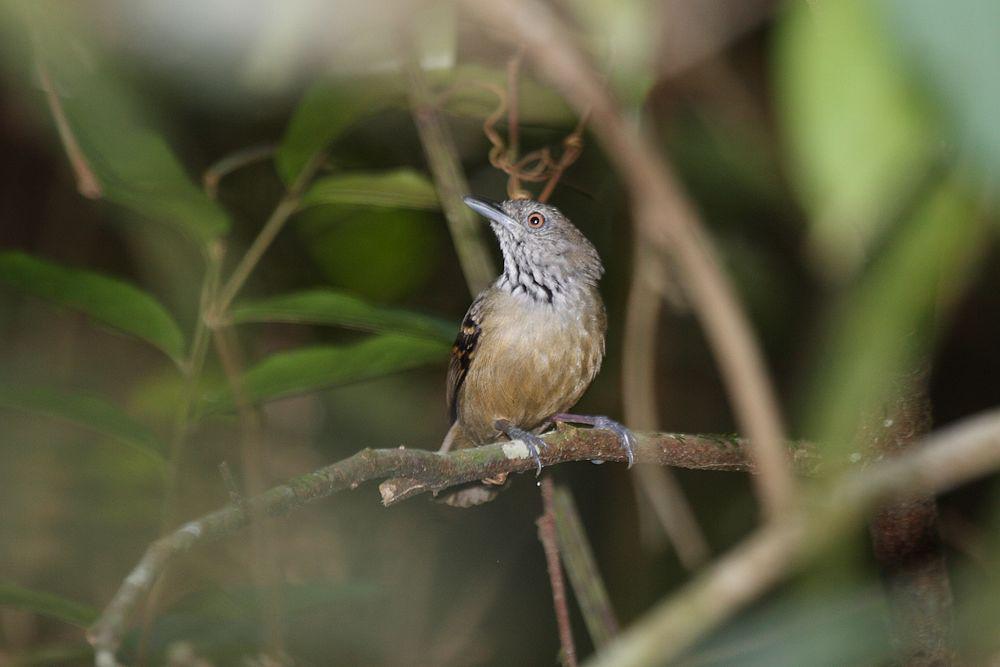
x: 531, y: 343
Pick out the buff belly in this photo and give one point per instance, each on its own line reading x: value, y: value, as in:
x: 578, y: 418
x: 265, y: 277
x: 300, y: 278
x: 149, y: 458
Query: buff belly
x: 526, y: 371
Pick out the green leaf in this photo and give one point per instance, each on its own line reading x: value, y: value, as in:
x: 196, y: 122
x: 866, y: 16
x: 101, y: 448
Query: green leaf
x: 115, y: 129
x: 888, y: 320
x: 83, y: 410
x: 858, y: 138
x: 956, y: 45
x: 327, y: 109
x: 398, y: 188
x: 313, y: 368
x: 326, y: 306
x: 109, y: 301
x: 47, y: 604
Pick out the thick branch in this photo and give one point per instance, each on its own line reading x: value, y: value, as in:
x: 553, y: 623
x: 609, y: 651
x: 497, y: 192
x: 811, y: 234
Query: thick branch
x: 428, y: 471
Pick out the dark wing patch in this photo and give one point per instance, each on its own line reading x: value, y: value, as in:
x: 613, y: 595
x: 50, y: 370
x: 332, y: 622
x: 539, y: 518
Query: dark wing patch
x: 462, y: 353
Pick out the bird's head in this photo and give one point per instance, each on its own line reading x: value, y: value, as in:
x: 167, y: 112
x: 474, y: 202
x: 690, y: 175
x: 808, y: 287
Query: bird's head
x: 543, y: 252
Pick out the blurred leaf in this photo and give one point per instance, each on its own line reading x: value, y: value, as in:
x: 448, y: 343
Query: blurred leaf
x: 46, y: 604
x: 621, y: 32
x: 135, y: 166
x: 324, y: 306
x: 224, y: 625
x: 957, y: 45
x: 109, y: 301
x: 313, y: 368
x: 888, y: 319
x: 398, y: 188
x: 84, y: 410
x: 859, y: 140
x: 75, y: 654
x: 383, y: 254
x: 329, y: 108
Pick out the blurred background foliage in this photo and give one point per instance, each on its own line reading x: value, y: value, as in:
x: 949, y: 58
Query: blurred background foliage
x: 846, y: 158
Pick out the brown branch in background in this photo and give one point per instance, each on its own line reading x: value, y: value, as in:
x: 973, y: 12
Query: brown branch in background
x: 87, y: 183
x: 550, y: 543
x: 907, y: 545
x: 233, y: 162
x: 961, y: 452
x: 513, y: 122
x: 572, y: 148
x: 943, y: 460
x: 449, y: 180
x: 431, y: 472
x: 668, y: 221
x: 666, y: 500
x: 591, y: 594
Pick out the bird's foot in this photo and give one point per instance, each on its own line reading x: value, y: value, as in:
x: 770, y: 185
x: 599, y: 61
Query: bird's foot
x: 625, y: 437
x: 531, y: 441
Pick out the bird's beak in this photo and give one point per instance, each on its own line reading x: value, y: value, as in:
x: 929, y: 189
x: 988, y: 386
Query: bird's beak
x: 491, y: 211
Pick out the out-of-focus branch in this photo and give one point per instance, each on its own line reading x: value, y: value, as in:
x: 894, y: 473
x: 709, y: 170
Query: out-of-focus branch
x: 233, y: 162
x: 430, y: 472
x: 906, y: 542
x: 658, y: 485
x: 945, y: 459
x: 87, y: 183
x: 449, y: 180
x: 548, y: 536
x: 667, y: 220
x: 595, y: 605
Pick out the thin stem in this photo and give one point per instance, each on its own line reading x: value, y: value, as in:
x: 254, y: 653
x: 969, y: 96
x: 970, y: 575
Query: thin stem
x: 233, y: 162
x: 288, y: 205
x: 550, y: 543
x: 572, y: 148
x: 513, y: 120
x: 581, y: 566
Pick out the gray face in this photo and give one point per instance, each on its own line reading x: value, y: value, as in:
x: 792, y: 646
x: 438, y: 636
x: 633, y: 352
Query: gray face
x: 545, y: 255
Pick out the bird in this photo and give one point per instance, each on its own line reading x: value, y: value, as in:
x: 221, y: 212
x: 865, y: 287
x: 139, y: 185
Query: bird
x: 532, y: 342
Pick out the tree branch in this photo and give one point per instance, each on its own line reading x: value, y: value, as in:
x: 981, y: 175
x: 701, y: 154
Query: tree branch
x: 550, y: 544
x: 945, y: 459
x: 428, y: 472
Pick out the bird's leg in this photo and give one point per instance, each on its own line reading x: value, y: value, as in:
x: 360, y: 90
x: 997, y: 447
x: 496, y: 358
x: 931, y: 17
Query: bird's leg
x: 532, y: 441
x: 625, y: 436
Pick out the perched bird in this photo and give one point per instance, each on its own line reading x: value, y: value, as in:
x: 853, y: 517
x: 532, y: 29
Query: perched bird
x: 531, y: 343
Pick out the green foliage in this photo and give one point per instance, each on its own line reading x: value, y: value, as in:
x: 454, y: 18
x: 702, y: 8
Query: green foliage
x: 84, y: 410
x: 46, y: 604
x: 956, y: 46
x: 109, y: 301
x: 857, y: 136
x: 329, y: 108
x: 382, y: 255
x: 889, y: 317
x: 326, y: 306
x: 313, y: 368
x: 397, y: 188
x: 132, y: 161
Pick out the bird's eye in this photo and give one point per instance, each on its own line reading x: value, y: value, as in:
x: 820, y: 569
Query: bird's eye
x: 536, y: 220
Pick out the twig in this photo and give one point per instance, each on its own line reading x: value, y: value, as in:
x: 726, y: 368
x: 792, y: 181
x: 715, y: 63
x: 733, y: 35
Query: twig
x: 550, y: 543
x: 658, y: 485
x: 582, y: 569
x: 286, y: 207
x: 513, y: 120
x: 966, y: 450
x: 87, y: 183
x: 449, y: 180
x: 431, y: 472
x: 233, y: 162
x: 572, y: 148
x: 668, y: 221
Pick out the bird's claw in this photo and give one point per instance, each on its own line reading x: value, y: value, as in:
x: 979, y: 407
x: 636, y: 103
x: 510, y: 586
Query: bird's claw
x: 625, y: 436
x: 534, y: 443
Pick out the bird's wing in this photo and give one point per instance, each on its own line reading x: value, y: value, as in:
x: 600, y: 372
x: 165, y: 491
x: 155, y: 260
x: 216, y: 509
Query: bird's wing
x: 462, y: 353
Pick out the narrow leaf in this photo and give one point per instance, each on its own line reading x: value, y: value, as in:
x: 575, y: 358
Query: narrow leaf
x: 313, y: 368
x: 326, y: 306
x: 111, y: 302
x: 327, y: 109
x: 88, y: 411
x: 399, y: 188
x: 46, y: 604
